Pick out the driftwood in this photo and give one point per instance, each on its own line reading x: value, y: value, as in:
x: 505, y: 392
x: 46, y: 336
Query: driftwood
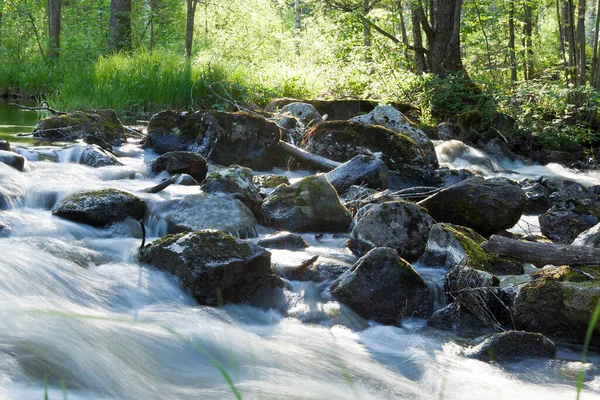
x: 304, y: 157
x: 42, y: 107
x: 297, y: 272
x: 163, y: 185
x: 542, y: 254
x: 131, y: 132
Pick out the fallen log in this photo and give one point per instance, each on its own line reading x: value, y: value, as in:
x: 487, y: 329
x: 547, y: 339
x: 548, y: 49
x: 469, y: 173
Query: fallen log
x: 304, y: 157
x: 541, y: 254
x: 163, y: 185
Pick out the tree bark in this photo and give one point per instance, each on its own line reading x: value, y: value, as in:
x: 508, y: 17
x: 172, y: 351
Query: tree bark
x: 1, y: 15
x: 511, y: 43
x: 403, y: 31
x: 54, y: 17
x: 569, y: 35
x: 420, y: 61
x: 594, y: 76
x: 304, y: 157
x: 120, y: 25
x: 581, y: 41
x: 189, y: 27
x: 542, y: 254
x: 528, y: 41
x: 444, y: 51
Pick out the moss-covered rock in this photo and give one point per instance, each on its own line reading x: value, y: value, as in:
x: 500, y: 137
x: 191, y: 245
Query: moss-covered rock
x: 217, y: 268
x: 101, y: 123
x: 384, y: 287
x: 566, y: 220
x: 484, y: 205
x: 559, y: 303
x: 236, y: 181
x: 401, y: 225
x: 310, y: 204
x: 341, y: 109
x: 449, y: 246
x: 512, y: 345
x: 100, y: 207
x: 361, y: 170
x: 181, y: 162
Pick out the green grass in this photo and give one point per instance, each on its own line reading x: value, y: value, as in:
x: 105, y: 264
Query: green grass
x: 586, y: 345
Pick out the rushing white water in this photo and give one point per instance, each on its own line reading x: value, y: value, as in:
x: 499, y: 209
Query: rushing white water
x: 79, y: 311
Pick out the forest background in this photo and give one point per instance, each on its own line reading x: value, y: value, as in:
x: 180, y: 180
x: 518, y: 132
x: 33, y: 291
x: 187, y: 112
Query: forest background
x: 533, y: 63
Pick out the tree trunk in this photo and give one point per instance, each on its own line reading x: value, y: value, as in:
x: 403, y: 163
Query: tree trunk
x: 1, y: 15
x: 306, y: 158
x: 444, y: 50
x: 542, y: 254
x: 403, y: 31
x: 153, y: 10
x: 367, y: 36
x: 527, y: 40
x: 297, y: 17
x: 189, y: 27
x: 420, y: 61
x: 54, y: 16
x: 569, y: 35
x: 561, y: 33
x: 511, y: 43
x: 581, y: 41
x: 594, y: 77
x: 120, y: 25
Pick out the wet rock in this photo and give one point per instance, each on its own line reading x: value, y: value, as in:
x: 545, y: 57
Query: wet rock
x: 97, y: 157
x: 206, y: 211
x: 460, y: 154
x: 450, y: 131
x: 360, y: 170
x: 565, y: 221
x: 5, y: 231
x: 310, y: 204
x: 591, y: 237
x: 449, y: 246
x: 186, y: 180
x: 334, y: 109
x: 215, y: 267
x: 236, y: 181
x: 98, y: 141
x: 383, y: 287
x: 181, y: 162
x: 486, y: 206
x: 559, y: 303
x: 104, y: 124
x: 230, y: 138
x: 266, y: 183
x: 283, y: 240
x: 12, y: 159
x: 512, y: 345
x: 454, y: 318
x: 394, y: 120
x: 306, y: 113
x: 5, y: 146
x: 451, y: 176
x: 538, y: 199
x: 100, y: 207
x: 400, y: 225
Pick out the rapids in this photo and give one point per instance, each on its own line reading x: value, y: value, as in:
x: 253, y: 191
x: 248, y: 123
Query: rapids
x: 81, y: 316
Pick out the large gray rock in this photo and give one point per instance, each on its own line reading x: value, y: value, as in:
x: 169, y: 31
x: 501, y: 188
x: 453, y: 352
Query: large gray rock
x: 13, y: 159
x: 97, y: 157
x: 538, y: 199
x: 215, y: 267
x: 235, y: 181
x: 207, y: 211
x: 565, y: 221
x: 100, y: 207
x: 393, y: 119
x: 591, y: 237
x: 400, y: 225
x: 306, y: 113
x: 283, y: 240
x: 455, y: 318
x: 104, y: 124
x: 4, y: 145
x: 310, y: 204
x: 181, y: 162
x: 360, y: 170
x: 484, y: 205
x: 383, y: 287
x: 512, y: 345
x: 268, y: 182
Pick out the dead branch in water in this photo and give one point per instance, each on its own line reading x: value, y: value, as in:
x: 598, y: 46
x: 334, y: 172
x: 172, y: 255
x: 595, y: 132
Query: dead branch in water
x: 42, y: 107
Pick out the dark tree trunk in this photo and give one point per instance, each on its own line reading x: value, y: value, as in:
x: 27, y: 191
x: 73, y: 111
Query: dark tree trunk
x: 569, y: 35
x: 528, y: 41
x: 594, y: 79
x: 420, y: 61
x: 120, y: 25
x: 511, y: 43
x: 403, y: 31
x: 562, y: 45
x: 1, y: 15
x: 189, y: 27
x: 54, y: 16
x: 581, y: 41
x: 154, y: 5
x: 367, y: 37
x: 444, y: 49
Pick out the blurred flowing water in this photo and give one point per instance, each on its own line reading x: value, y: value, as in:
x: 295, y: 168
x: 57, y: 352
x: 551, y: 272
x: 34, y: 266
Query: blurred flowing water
x: 79, y: 312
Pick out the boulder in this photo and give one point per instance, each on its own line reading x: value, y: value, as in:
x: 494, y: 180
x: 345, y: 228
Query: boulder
x: 383, y: 287
x: 215, y: 267
x: 449, y: 246
x: 181, y: 162
x: 5, y: 231
x: 538, y: 199
x: 394, y: 120
x: 512, y: 345
x: 186, y: 180
x: 450, y: 177
x: 100, y: 207
x: 450, y: 131
x: 334, y: 109
x: 284, y: 240
x: 565, y: 221
x: 235, y: 181
x: 266, y: 183
x: 229, y: 138
x: 358, y: 171
x: 104, y: 124
x: 484, y: 205
x: 97, y: 157
x: 5, y: 146
x: 306, y: 113
x: 400, y: 225
x: 591, y: 237
x: 310, y: 204
x: 200, y: 211
x: 559, y: 303
x: 459, y: 319
x: 14, y: 160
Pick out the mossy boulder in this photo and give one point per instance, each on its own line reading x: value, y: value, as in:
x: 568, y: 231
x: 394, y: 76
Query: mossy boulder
x: 511, y: 346
x: 215, y: 267
x: 104, y: 124
x: 235, y: 181
x: 485, y: 205
x: 383, y: 287
x: 229, y: 138
x: 591, y: 237
x: 14, y: 160
x: 181, y: 162
x: 266, y: 183
x: 361, y: 170
x: 401, y: 225
x: 310, y: 204
x: 559, y: 303
x: 283, y: 240
x: 100, y: 207
x: 449, y: 246
x: 566, y: 220
x: 305, y: 113
x: 341, y: 109
x: 459, y: 319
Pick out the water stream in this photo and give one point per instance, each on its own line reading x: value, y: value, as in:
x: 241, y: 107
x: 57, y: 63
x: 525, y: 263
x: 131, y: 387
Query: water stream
x: 79, y: 312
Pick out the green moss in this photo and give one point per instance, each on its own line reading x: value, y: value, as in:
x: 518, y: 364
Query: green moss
x: 103, y: 121
x: 217, y: 245
x: 470, y: 241
x: 270, y: 181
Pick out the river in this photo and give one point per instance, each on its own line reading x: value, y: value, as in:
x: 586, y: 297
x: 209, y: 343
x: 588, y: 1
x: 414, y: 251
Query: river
x: 83, y: 318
